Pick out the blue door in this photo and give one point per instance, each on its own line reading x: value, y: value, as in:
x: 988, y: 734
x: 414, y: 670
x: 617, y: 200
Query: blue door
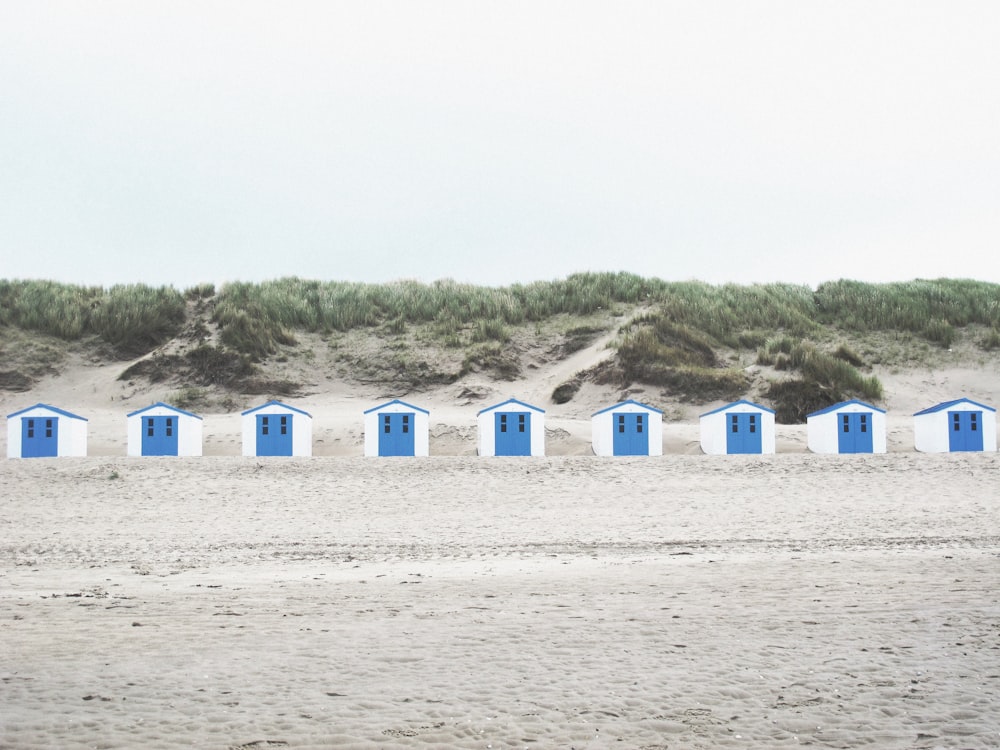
x: 513, y: 433
x: 395, y: 435
x: 274, y: 434
x: 855, y: 433
x: 965, y: 430
x: 159, y: 436
x: 631, y: 436
x: 743, y: 434
x: 39, y: 437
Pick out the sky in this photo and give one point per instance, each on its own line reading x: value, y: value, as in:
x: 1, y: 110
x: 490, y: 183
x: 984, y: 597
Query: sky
x: 179, y: 142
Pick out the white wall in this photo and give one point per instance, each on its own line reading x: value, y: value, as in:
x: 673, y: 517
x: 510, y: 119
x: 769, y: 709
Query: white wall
x: 421, y: 428
x: 931, y: 432
x: 487, y: 425
x: 71, y: 440
x: 602, y: 429
x: 189, y: 431
x: 302, y: 442
x: 715, y: 429
x: 823, y: 431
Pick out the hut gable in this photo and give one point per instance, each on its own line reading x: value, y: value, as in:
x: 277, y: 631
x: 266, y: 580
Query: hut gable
x: 511, y: 428
x: 740, y: 427
x: 960, y: 425
x: 397, y: 428
x: 276, y: 429
x: 628, y: 428
x: 44, y: 431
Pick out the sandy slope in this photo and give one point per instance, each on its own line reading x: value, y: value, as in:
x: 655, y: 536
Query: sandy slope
x: 91, y: 389
x: 682, y: 602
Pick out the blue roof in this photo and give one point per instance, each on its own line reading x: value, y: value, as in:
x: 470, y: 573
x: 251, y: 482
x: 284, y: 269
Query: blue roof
x: 395, y: 401
x: 272, y: 402
x: 510, y: 401
x: 62, y: 412
x: 165, y: 406
x: 741, y: 402
x: 841, y: 405
x: 948, y: 404
x: 631, y: 401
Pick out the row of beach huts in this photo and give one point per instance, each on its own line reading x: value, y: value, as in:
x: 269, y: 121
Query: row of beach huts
x: 512, y: 428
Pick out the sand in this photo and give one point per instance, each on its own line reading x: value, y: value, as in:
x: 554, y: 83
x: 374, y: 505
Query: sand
x: 455, y: 602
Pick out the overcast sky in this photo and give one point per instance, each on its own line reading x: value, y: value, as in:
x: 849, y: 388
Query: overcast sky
x: 496, y: 142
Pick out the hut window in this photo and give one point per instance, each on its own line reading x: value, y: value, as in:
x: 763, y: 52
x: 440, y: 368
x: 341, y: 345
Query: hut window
x: 736, y: 423
x: 847, y: 423
x: 972, y: 422
x: 406, y: 424
x: 48, y: 428
x: 284, y: 425
x: 170, y: 426
x: 864, y: 423
x: 31, y: 428
x: 638, y: 423
x: 149, y: 427
x: 520, y: 423
x: 264, y: 427
x: 956, y: 422
x: 753, y: 423
x: 621, y: 423
x: 503, y: 423
x: 386, y: 424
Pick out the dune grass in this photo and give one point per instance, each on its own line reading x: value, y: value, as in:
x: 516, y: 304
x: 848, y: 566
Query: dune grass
x: 257, y: 318
x: 132, y: 318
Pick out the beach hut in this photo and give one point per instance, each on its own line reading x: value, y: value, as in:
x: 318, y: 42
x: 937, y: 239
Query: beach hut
x: 397, y: 428
x: 959, y: 425
x: 847, y: 427
x: 163, y: 430
x: 739, y: 427
x: 42, y: 431
x: 511, y: 428
x: 628, y: 428
x: 276, y: 429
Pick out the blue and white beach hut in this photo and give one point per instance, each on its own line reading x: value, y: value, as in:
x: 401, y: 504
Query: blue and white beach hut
x: 952, y: 426
x: 511, y: 428
x: 43, y: 431
x: 848, y: 427
x: 276, y: 429
x: 164, y: 430
x: 397, y: 428
x: 739, y: 427
x: 628, y: 428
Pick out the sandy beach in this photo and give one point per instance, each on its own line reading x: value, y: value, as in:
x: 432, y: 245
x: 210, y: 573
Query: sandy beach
x: 680, y: 602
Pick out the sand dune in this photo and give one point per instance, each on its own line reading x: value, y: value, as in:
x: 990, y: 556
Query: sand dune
x: 682, y: 602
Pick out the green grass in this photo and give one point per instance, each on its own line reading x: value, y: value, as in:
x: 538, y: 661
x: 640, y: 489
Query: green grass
x: 132, y: 318
x: 256, y: 319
